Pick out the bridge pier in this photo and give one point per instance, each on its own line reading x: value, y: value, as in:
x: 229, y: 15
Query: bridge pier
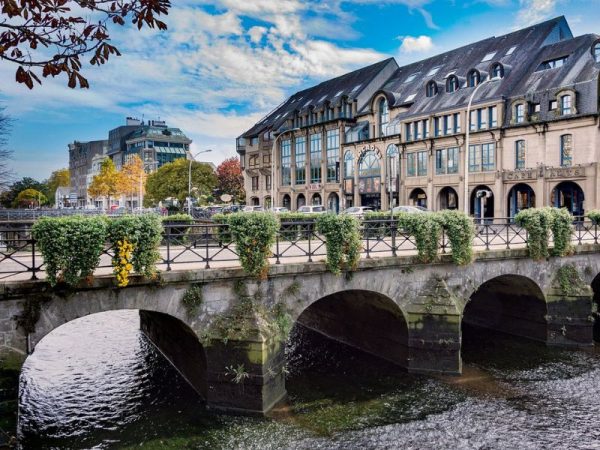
x: 434, y: 331
x: 570, y: 302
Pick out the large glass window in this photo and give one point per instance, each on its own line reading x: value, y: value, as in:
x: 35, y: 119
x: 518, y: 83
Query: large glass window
x: 393, y: 154
x: 315, y: 158
x: 421, y: 163
x: 482, y: 158
x: 348, y: 165
x: 425, y: 128
x: 369, y: 165
x: 596, y: 52
x: 333, y: 154
x: 411, y: 164
x: 301, y: 160
x: 566, y: 150
x: 409, y: 129
x: 565, y: 104
x: 520, y: 154
x: 286, y: 162
x: 456, y: 120
x: 384, y: 116
x: 446, y: 161
x: 493, y: 116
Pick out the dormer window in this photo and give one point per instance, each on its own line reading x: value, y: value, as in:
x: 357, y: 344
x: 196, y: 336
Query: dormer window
x: 520, y: 113
x: 552, y: 63
x: 431, y: 90
x: 452, y: 84
x: 497, y: 71
x: 596, y: 52
x: 566, y: 104
x: 473, y: 78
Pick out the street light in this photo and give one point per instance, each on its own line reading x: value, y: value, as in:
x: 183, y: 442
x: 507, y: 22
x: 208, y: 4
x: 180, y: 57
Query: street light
x: 466, y: 200
x: 273, y: 160
x: 192, y: 157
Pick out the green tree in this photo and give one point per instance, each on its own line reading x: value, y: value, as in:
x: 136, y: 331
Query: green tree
x: 8, y: 199
x: 171, y: 181
x: 30, y: 198
x: 60, y: 177
x: 107, y: 182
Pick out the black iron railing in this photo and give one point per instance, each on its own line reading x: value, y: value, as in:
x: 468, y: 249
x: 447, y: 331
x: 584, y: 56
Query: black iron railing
x: 207, y: 245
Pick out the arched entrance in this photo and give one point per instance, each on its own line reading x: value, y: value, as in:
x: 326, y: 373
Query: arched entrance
x: 511, y: 304
x: 418, y: 197
x: 482, y: 202
x: 369, y: 181
x: 568, y: 195
x: 520, y: 197
x: 254, y: 201
x: 287, y: 202
x: 362, y: 320
x: 267, y: 203
x: 316, y: 200
x: 300, y: 201
x: 333, y: 203
x: 448, y: 198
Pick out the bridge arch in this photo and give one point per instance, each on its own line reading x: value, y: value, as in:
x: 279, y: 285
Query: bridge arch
x: 512, y: 304
x: 363, y: 319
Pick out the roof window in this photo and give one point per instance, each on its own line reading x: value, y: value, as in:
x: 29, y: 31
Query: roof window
x: 338, y: 94
x: 433, y: 71
x: 489, y: 56
x: 410, y: 98
x: 511, y: 50
x: 411, y: 78
x: 552, y: 63
x: 322, y: 98
x: 355, y: 88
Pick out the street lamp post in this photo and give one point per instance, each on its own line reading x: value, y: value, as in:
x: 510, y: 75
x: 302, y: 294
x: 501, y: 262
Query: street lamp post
x: 190, y: 178
x: 273, y: 161
x: 466, y: 200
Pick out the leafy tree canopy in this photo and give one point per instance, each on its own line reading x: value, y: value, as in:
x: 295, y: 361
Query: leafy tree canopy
x: 49, y: 37
x: 30, y: 197
x: 230, y: 178
x: 60, y: 177
x: 8, y: 198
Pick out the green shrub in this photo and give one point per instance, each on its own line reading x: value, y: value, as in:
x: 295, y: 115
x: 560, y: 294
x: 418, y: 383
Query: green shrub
x: 539, y: 222
x: 222, y: 233
x: 253, y: 234
x: 145, y: 233
x: 291, y: 228
x: 343, y: 241
x: 178, y: 227
x: 426, y: 229
x: 594, y: 216
x: 71, y: 246
x: 185, y: 218
x: 460, y: 231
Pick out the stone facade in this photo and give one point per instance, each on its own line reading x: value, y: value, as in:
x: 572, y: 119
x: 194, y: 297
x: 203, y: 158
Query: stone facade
x: 533, y: 130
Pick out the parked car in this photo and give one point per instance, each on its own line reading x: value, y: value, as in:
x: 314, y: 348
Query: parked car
x: 229, y: 209
x: 410, y: 209
x: 250, y: 208
x: 357, y: 211
x: 279, y: 209
x: 314, y: 209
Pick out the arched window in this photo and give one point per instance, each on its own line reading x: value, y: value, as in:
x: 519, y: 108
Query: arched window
x: 393, y: 157
x: 566, y: 104
x: 473, y: 78
x: 497, y: 71
x: 348, y: 165
x: 369, y: 165
x: 566, y: 150
x: 384, y: 116
x: 431, y: 89
x: 596, y: 52
x: 452, y: 84
x: 520, y: 154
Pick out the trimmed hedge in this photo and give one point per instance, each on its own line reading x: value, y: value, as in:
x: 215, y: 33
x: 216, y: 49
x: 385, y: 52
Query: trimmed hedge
x: 539, y: 222
x: 343, y: 241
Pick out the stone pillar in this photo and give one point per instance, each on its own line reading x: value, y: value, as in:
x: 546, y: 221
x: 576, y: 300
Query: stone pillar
x: 434, y: 333
x: 570, y: 300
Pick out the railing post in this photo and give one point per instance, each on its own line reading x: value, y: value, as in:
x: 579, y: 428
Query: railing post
x: 443, y: 241
x: 366, y: 231
x: 393, y: 228
x: 33, y: 266
x: 206, y: 235
x: 277, y: 246
x: 310, y: 229
x: 595, y: 233
x: 168, y: 236
x: 508, y: 234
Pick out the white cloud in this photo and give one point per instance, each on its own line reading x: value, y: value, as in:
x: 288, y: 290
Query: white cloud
x: 534, y: 11
x: 416, y: 44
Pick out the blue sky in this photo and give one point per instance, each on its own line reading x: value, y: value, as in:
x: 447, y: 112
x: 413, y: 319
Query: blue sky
x: 222, y: 65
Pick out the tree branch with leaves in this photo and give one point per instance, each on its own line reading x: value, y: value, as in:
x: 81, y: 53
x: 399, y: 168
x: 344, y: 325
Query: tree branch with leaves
x: 50, y: 37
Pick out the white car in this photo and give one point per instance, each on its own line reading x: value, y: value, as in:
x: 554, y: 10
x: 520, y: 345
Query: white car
x: 279, y: 210
x: 315, y: 209
x: 410, y: 209
x: 357, y: 211
x: 250, y: 208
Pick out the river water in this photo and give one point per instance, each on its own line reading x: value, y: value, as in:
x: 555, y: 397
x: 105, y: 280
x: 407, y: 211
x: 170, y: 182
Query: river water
x: 98, y: 383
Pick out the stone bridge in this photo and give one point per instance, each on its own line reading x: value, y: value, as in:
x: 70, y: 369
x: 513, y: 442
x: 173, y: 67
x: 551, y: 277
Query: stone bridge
x: 226, y: 333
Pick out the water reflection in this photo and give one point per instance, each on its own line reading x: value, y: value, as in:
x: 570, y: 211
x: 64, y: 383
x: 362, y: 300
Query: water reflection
x: 97, y: 383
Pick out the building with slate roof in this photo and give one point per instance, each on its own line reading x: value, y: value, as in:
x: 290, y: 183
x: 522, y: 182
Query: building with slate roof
x: 386, y: 135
